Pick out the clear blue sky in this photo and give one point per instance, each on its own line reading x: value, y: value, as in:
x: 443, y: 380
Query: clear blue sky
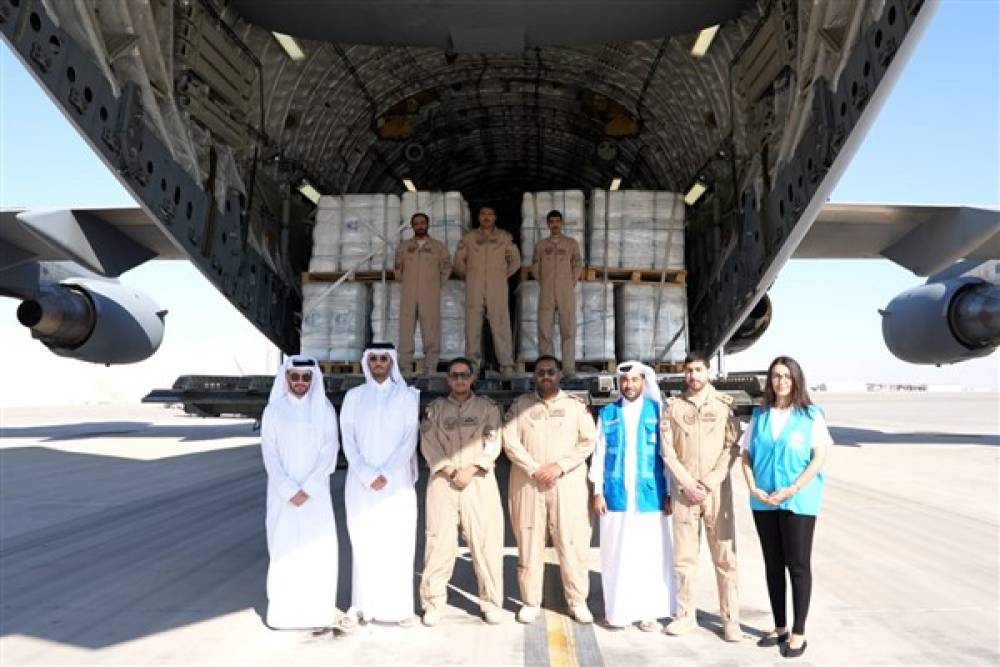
x: 937, y: 140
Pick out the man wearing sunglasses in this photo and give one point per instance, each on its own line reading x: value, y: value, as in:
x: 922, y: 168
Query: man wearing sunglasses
x: 299, y: 445
x: 548, y: 435
x: 460, y: 438
x: 379, y: 423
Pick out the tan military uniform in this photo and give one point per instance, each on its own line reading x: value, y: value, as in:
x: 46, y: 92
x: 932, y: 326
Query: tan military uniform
x: 421, y: 269
x: 536, y: 432
x: 700, y: 444
x: 455, y: 435
x: 486, y: 261
x: 556, y: 267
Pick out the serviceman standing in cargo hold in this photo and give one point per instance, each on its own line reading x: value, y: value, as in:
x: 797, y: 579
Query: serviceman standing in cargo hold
x: 700, y: 435
x: 460, y: 438
x: 422, y: 267
x: 486, y: 258
x: 548, y: 435
x: 556, y: 266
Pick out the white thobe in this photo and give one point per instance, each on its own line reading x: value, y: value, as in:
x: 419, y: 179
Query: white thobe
x: 379, y: 424
x: 301, y: 541
x: 637, y: 571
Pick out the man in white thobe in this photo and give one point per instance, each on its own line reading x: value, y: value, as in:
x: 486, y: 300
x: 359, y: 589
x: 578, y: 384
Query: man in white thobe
x: 299, y: 446
x: 632, y: 500
x: 379, y: 423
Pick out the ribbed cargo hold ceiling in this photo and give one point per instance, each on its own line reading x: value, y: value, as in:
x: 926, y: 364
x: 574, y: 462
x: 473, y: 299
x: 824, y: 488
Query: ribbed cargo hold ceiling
x: 362, y: 118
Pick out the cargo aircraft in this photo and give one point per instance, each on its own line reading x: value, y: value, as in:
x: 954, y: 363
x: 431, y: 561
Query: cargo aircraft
x: 226, y: 119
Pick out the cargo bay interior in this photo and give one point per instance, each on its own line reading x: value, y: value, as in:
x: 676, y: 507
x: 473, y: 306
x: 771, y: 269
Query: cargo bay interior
x: 227, y: 130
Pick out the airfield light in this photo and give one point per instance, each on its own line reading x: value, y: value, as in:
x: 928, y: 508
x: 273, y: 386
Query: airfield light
x: 307, y: 190
x: 616, y: 183
x: 409, y: 185
x: 695, y: 193
x: 704, y: 41
x: 290, y: 46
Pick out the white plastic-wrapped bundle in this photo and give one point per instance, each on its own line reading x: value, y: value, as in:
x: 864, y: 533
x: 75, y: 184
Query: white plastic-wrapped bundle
x: 448, y: 212
x: 652, y: 322
x: 334, y: 321
x: 595, y: 322
x: 349, y: 232
x: 385, y: 318
x: 326, y: 235
x: 535, y: 206
x: 636, y: 229
x: 349, y: 323
x: 316, y: 315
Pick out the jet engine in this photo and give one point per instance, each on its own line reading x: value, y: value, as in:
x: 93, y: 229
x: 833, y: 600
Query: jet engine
x: 753, y: 327
x: 943, y: 322
x: 97, y: 321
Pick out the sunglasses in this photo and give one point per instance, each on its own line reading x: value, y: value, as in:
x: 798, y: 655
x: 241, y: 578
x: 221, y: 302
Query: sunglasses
x: 300, y: 377
x: 379, y: 358
x: 460, y: 375
x: 546, y: 372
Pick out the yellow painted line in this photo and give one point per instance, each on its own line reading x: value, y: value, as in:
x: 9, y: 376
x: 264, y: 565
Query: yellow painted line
x: 562, y: 648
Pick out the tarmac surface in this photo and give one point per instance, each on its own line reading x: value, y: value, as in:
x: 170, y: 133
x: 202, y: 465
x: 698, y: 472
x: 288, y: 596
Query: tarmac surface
x: 135, y: 535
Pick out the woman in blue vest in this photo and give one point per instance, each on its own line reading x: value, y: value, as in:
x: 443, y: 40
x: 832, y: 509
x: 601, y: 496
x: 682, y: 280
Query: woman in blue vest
x: 783, y: 452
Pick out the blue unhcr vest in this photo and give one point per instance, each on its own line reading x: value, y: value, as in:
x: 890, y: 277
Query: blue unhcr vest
x: 777, y: 463
x: 650, y: 484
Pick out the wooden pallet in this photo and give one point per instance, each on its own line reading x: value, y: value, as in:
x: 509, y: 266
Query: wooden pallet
x: 668, y: 368
x: 604, y: 365
x: 340, y: 367
x: 353, y: 276
x: 620, y: 276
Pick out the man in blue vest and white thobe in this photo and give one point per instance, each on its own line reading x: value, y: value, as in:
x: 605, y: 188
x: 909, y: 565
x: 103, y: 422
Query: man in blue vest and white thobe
x: 632, y: 500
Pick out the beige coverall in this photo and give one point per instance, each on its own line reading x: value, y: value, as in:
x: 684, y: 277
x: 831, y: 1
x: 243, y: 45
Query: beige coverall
x: 700, y: 444
x: 556, y: 266
x: 421, y: 270
x: 456, y: 435
x: 536, y: 432
x: 486, y: 261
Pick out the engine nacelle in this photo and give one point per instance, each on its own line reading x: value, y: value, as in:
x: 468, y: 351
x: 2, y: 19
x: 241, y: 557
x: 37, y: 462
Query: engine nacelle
x: 943, y: 322
x: 752, y: 328
x: 97, y: 321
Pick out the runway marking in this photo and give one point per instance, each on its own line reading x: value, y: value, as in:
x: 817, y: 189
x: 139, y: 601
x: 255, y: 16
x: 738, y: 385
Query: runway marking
x: 562, y: 647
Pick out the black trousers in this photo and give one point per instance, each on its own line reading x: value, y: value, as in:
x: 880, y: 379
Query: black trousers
x: 786, y: 540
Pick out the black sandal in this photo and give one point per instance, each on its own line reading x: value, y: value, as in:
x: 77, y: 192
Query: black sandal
x: 789, y: 652
x: 769, y: 640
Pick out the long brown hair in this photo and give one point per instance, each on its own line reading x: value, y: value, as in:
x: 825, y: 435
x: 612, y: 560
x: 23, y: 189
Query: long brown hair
x: 800, y: 393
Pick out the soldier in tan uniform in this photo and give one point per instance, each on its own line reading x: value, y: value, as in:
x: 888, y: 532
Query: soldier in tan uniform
x: 486, y: 258
x: 556, y: 266
x: 700, y: 436
x: 548, y: 436
x: 460, y: 438
x: 422, y: 267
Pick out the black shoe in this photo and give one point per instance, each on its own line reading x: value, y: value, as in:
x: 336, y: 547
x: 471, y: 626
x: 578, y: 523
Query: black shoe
x: 769, y: 640
x: 789, y: 652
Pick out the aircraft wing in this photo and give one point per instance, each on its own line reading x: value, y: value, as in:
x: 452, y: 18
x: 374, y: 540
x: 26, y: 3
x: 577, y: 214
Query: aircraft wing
x: 107, y: 241
x: 923, y: 239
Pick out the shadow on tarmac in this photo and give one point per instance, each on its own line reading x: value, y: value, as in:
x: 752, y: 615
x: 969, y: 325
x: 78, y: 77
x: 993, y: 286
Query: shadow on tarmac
x: 185, y: 543
x: 857, y: 437
x: 130, y: 429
